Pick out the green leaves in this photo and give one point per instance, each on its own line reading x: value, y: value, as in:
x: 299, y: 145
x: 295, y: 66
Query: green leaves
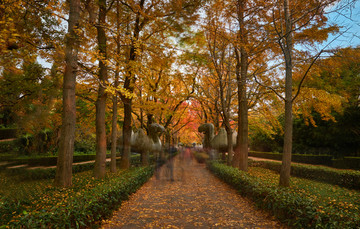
x: 298, y: 209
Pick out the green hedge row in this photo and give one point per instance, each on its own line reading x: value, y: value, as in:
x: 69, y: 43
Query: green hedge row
x: 201, y: 157
x: 88, y: 209
x: 343, y: 163
x: 6, y: 133
x: 289, y: 207
x: 347, y: 163
x: 299, y: 158
x: 49, y: 173
x: 50, y: 160
x: 8, y: 146
x: 344, y: 178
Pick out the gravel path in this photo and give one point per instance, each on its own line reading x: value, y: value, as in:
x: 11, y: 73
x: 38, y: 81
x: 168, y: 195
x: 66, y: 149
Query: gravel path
x: 195, y: 199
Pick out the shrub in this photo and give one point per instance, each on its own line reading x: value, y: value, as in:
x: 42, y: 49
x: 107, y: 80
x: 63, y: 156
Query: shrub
x: 8, y: 146
x: 347, y: 163
x: 343, y: 178
x: 299, y: 158
x: 49, y: 173
x: 201, y: 157
x: 6, y: 133
x: 289, y: 207
x: 79, y: 207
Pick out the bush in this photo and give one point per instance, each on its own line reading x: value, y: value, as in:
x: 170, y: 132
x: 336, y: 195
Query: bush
x: 289, y: 207
x: 201, y: 157
x: 79, y: 208
x: 8, y: 146
x: 347, y: 163
x: 299, y: 158
x: 7, y: 133
x: 49, y: 173
x: 343, y: 178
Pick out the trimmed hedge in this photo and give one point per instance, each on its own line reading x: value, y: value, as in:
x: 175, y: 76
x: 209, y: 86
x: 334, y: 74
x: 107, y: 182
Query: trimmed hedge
x: 8, y: 146
x: 6, y: 133
x: 201, y: 157
x: 289, y: 207
x: 299, y: 158
x: 49, y: 173
x: 347, y: 163
x: 344, y: 178
x: 87, y: 208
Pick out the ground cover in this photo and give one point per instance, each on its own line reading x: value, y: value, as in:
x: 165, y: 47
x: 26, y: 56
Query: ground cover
x: 344, y: 178
x: 330, y: 198
x: 37, y: 204
x: 307, y: 204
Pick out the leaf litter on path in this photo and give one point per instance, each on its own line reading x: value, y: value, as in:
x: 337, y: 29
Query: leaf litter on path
x: 195, y: 199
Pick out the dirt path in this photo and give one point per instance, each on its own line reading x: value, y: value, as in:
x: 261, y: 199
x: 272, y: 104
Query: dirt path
x: 196, y: 199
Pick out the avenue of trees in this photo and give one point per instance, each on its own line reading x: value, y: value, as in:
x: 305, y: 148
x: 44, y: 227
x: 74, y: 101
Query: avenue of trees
x: 84, y: 73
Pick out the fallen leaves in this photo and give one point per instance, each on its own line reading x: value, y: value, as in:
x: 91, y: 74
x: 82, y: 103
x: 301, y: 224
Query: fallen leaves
x: 199, y: 200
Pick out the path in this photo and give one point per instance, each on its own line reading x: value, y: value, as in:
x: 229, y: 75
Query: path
x: 196, y: 199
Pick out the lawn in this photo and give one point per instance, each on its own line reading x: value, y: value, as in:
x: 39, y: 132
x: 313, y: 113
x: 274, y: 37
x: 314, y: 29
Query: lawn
x: 332, y: 197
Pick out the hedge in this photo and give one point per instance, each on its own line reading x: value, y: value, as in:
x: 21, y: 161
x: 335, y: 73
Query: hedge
x: 299, y: 158
x: 87, y: 208
x: 49, y: 173
x: 7, y: 146
x: 344, y: 178
x: 347, y: 163
x: 289, y: 207
x: 6, y: 133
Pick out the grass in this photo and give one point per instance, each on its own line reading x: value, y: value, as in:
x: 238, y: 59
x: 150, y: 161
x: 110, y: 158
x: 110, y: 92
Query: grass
x: 336, y: 199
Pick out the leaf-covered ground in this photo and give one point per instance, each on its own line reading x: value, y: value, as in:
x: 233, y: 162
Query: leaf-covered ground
x: 196, y: 199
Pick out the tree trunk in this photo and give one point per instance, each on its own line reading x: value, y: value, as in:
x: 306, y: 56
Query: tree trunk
x: 125, y: 156
x: 100, y: 159
x: 129, y: 84
x: 287, y: 47
x: 114, y: 135
x: 63, y: 177
x: 230, y: 145
x: 241, y: 150
x: 116, y: 83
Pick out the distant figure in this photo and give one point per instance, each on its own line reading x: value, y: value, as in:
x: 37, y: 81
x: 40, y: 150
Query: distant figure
x: 170, y: 164
x: 187, y: 155
x: 158, y: 166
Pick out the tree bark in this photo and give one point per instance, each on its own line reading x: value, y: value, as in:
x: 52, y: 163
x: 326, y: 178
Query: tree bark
x: 129, y: 86
x: 241, y: 149
x: 100, y: 159
x: 116, y: 84
x: 63, y: 177
x: 287, y: 49
x: 125, y: 156
x: 114, y: 135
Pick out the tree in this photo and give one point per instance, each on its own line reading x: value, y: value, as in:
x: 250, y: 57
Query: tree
x: 66, y: 148
x: 100, y: 160
x: 305, y: 23
x: 149, y: 19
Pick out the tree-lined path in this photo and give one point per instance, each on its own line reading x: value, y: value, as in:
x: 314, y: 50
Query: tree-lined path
x: 196, y: 199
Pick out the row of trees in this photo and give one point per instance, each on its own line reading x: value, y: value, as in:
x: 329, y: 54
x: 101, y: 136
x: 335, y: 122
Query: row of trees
x: 253, y: 56
x: 117, y: 49
x: 178, y: 63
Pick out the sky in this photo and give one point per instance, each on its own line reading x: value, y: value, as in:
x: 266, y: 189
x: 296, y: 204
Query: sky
x: 349, y: 21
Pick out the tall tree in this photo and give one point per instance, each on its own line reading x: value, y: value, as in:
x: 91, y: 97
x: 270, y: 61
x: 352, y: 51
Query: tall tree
x: 293, y: 22
x: 63, y: 175
x: 100, y: 160
x: 241, y: 149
